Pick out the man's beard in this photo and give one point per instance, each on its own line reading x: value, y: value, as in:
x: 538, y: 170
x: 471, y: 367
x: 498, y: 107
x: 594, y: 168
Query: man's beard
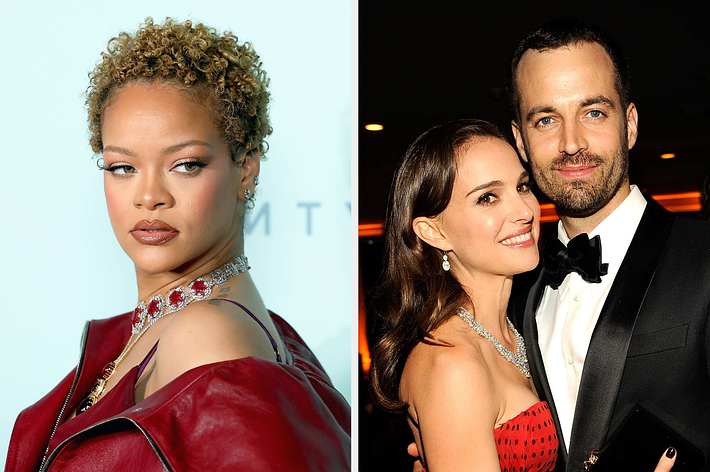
x: 583, y: 197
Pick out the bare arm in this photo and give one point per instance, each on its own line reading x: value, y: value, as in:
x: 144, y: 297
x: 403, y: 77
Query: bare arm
x: 451, y: 396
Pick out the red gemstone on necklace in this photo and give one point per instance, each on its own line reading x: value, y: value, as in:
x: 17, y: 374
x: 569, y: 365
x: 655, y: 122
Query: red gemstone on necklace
x: 108, y: 370
x: 153, y: 307
x: 176, y: 298
x: 85, y: 404
x: 136, y: 316
x: 98, y: 387
x: 199, y: 287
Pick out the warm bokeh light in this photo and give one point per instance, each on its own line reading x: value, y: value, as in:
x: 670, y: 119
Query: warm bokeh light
x: 674, y: 202
x: 374, y: 127
x: 679, y: 202
x: 670, y: 155
x: 548, y: 214
x: 370, y: 229
x: 363, y: 347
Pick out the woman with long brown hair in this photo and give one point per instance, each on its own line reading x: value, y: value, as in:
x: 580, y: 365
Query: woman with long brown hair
x: 462, y: 220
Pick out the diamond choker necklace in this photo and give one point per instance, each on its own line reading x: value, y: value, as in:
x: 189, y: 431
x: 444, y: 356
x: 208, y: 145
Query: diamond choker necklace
x: 519, y: 359
x: 146, y: 314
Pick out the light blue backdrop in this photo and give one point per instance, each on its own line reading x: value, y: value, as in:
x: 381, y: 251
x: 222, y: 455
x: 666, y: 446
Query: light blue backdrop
x: 59, y: 262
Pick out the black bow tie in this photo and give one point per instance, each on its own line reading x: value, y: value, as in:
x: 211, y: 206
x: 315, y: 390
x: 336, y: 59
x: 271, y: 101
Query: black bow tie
x: 582, y: 255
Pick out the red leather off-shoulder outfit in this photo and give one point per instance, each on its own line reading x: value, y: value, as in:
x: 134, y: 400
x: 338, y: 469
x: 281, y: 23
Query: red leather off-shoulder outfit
x: 246, y: 414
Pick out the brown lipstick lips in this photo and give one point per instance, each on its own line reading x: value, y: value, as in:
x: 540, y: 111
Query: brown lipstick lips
x: 153, y: 233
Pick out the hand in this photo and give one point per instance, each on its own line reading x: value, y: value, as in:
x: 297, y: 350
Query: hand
x: 666, y: 462
x: 414, y: 452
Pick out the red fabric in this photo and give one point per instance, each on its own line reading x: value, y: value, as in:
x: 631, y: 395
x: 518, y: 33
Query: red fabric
x: 528, y: 442
x: 245, y: 414
x: 34, y: 425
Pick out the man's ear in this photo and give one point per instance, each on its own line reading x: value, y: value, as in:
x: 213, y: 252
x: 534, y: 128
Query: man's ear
x: 519, y: 140
x: 429, y: 231
x: 249, y: 172
x: 632, y: 124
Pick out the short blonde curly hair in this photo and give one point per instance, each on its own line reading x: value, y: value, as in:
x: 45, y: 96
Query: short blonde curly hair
x: 213, y: 69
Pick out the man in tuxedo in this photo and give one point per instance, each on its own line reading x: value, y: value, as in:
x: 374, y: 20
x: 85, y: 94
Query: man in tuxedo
x: 629, y: 326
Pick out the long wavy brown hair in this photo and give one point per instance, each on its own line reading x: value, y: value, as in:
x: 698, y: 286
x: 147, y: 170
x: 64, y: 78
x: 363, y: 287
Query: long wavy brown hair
x: 415, y: 295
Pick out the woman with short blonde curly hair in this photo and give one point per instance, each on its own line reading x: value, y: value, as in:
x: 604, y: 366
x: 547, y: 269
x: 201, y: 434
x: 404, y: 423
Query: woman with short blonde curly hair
x: 200, y: 375
x: 212, y: 69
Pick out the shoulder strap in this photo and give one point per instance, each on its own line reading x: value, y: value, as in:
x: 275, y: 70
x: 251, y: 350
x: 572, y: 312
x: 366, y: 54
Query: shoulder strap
x: 271, y: 338
x: 146, y: 360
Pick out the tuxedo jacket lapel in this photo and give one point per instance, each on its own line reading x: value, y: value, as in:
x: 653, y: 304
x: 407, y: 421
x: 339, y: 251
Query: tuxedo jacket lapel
x: 537, y: 366
x: 606, y: 356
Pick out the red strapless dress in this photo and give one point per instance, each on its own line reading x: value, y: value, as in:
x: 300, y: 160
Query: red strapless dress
x: 528, y: 442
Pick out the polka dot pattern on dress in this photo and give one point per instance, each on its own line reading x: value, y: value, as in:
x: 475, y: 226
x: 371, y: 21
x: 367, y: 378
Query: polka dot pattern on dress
x: 528, y: 442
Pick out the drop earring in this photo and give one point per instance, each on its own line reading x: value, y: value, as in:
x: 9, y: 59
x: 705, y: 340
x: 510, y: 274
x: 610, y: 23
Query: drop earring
x: 445, y: 265
x: 247, y: 194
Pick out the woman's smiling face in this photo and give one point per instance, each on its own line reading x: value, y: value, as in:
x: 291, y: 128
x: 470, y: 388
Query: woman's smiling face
x: 491, y: 224
x: 172, y: 189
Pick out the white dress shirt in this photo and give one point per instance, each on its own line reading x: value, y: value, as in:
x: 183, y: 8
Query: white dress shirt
x: 567, y: 316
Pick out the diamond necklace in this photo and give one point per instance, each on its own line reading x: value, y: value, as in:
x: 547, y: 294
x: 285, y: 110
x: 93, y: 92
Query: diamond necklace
x: 519, y: 359
x: 145, y: 315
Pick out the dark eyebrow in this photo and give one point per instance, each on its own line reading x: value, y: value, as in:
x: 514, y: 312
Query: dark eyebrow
x: 179, y: 147
x: 536, y: 110
x: 168, y: 150
x: 118, y: 150
x: 524, y: 175
x: 598, y: 100
x: 493, y: 183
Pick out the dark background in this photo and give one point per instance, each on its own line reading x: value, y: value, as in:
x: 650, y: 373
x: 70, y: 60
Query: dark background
x: 422, y: 63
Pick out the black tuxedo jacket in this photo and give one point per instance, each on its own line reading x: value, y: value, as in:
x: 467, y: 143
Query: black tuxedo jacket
x: 651, y: 344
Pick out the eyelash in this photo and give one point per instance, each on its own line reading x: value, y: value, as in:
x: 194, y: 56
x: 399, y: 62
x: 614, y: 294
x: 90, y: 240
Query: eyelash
x: 487, y: 196
x: 528, y: 184
x: 601, y: 115
x: 197, y: 163
x: 539, y: 122
x: 114, y: 168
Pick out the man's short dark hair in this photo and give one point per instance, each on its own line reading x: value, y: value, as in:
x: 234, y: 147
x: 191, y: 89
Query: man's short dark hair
x: 563, y: 32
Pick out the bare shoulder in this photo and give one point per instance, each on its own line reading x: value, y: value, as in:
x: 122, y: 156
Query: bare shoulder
x: 208, y: 332
x: 438, y: 371
x: 452, y: 396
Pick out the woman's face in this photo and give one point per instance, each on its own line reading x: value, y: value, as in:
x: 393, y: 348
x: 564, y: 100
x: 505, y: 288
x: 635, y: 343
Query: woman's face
x: 171, y: 187
x: 492, y: 221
